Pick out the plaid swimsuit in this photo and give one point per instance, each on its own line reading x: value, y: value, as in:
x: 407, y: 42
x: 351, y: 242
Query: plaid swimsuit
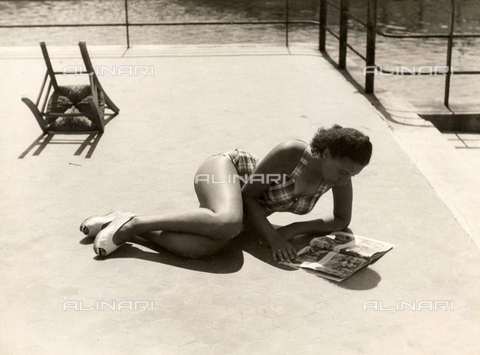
x: 280, y: 196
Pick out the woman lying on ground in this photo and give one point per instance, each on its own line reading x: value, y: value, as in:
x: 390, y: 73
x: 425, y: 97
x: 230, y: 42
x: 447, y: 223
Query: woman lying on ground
x: 291, y: 178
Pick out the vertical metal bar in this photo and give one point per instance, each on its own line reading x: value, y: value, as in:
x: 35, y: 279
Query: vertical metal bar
x: 126, y: 24
x: 449, y: 56
x: 370, y: 59
x: 322, y: 24
x: 286, y: 23
x: 342, y: 56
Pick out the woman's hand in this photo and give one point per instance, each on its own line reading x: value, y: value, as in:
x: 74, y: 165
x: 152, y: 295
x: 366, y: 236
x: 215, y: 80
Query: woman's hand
x: 283, y: 250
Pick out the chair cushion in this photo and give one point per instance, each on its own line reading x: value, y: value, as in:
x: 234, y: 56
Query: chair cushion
x: 73, y: 99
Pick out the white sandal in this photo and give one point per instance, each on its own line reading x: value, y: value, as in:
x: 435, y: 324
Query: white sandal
x: 103, y: 244
x: 93, y: 225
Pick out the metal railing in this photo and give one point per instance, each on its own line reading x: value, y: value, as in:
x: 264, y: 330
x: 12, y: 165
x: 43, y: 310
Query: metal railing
x: 127, y: 24
x: 370, y: 24
x: 372, y: 31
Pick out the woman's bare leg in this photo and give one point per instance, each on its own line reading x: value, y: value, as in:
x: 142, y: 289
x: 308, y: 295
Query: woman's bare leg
x: 200, y: 231
x: 193, y: 246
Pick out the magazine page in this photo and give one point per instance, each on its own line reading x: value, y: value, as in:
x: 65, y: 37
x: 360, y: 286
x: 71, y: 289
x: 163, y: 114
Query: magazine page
x: 334, y: 242
x: 339, y: 255
x: 338, y: 266
x: 366, y: 248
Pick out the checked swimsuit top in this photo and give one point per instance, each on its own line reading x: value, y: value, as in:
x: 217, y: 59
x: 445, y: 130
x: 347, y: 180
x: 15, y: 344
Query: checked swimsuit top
x: 280, y: 196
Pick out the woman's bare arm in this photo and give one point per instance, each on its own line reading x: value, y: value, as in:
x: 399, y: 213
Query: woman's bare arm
x: 281, y: 160
x: 342, y: 213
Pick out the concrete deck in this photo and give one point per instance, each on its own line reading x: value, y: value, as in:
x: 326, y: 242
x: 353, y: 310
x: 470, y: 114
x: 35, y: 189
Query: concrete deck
x: 418, y: 193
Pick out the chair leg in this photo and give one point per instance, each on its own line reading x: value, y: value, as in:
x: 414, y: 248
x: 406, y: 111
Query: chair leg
x: 36, y: 113
x: 50, y: 70
x: 88, y: 65
x: 96, y: 116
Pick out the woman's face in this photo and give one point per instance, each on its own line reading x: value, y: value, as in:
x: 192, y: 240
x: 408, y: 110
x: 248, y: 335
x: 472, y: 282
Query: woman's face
x: 338, y: 171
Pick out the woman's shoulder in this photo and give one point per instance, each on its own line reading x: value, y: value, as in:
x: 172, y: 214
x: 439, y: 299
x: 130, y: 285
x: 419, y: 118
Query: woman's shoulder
x: 286, y: 155
x: 292, y: 149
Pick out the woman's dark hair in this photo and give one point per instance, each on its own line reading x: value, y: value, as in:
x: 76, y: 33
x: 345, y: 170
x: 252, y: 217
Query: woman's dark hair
x: 343, y: 143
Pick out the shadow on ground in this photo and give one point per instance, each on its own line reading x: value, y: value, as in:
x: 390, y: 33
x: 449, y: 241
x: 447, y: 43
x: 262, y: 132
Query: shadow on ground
x: 231, y: 258
x: 43, y: 140
x: 53, y: 138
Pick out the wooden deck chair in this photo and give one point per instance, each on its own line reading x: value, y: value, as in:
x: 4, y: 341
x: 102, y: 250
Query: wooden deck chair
x: 71, y: 109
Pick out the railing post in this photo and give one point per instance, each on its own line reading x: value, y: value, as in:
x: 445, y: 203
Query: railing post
x: 449, y: 56
x: 126, y: 24
x: 322, y: 24
x: 342, y: 56
x: 370, y: 59
x: 286, y: 23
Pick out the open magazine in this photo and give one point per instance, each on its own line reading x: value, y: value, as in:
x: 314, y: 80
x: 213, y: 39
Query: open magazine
x: 337, y: 257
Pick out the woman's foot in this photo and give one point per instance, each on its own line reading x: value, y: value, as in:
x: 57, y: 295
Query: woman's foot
x: 104, y: 242
x: 93, y: 225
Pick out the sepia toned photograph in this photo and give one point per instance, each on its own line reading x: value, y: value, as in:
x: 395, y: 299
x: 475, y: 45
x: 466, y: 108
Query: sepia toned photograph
x: 239, y: 177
